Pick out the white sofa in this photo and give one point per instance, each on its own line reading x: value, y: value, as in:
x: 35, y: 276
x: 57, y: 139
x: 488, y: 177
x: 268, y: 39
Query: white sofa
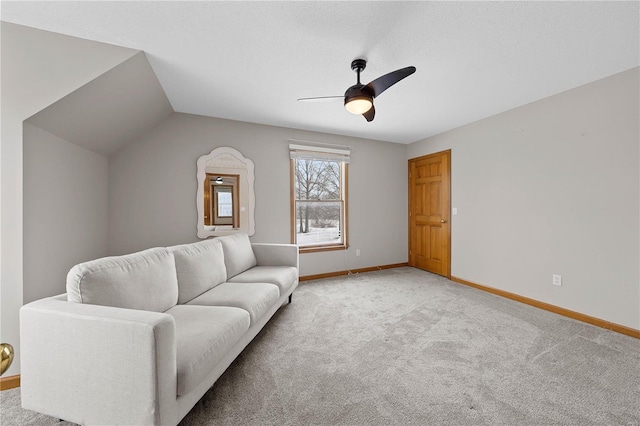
x: 138, y: 339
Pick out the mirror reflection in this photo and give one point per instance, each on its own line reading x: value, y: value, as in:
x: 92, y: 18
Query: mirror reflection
x: 225, y: 198
x: 221, y: 201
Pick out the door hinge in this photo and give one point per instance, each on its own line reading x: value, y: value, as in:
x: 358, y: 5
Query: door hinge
x: 409, y: 214
x: 409, y: 252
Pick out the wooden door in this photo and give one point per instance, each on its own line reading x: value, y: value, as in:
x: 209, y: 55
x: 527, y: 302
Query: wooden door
x: 429, y: 209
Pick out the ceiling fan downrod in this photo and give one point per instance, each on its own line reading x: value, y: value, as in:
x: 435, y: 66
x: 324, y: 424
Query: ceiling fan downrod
x: 358, y: 65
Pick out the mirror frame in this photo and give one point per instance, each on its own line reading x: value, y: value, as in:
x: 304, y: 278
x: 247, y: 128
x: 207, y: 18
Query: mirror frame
x: 232, y: 160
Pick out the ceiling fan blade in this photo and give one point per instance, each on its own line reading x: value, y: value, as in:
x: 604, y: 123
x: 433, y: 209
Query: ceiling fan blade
x: 381, y: 84
x: 322, y: 99
x: 370, y: 114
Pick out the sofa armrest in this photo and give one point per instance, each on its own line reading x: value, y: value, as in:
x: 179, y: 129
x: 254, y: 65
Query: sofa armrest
x: 93, y: 364
x: 276, y: 254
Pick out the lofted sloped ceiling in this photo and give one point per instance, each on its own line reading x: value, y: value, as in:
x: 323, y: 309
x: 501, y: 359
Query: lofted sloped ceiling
x: 106, y: 113
x: 250, y: 61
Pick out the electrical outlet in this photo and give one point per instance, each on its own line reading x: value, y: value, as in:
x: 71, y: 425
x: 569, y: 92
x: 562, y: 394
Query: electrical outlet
x: 557, y: 279
x: 357, y: 252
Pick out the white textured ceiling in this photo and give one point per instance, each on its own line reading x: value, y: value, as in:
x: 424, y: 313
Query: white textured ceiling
x: 250, y: 61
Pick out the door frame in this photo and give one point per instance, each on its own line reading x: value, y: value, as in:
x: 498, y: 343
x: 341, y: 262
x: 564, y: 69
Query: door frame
x: 448, y: 213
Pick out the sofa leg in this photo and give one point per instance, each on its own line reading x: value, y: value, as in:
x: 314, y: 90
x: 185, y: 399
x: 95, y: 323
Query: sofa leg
x: 290, y: 298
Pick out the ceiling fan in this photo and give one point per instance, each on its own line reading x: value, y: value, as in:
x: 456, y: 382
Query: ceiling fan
x: 358, y: 99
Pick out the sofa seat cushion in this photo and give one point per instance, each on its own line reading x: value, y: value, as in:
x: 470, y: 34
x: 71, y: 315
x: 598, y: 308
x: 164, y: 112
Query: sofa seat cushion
x: 282, y: 276
x: 145, y: 280
x: 255, y: 298
x: 204, y: 335
x: 200, y: 267
x: 238, y: 254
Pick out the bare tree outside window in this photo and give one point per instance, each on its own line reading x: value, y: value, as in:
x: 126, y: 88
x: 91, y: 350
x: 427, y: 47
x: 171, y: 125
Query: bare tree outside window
x: 319, y: 203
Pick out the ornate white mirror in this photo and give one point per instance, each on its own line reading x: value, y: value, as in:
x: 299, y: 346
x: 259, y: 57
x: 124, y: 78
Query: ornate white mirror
x: 225, y: 199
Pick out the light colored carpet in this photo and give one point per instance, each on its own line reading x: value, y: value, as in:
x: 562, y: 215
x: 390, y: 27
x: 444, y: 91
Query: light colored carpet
x: 404, y: 347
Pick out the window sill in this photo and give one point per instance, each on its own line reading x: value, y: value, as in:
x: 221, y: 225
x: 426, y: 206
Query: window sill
x: 315, y: 249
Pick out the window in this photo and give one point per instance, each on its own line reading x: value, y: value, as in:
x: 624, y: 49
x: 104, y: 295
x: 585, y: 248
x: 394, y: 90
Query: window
x: 225, y: 201
x: 319, y: 197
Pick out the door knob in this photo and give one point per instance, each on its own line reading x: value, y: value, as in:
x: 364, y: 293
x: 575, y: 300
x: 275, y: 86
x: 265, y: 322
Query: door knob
x: 443, y: 220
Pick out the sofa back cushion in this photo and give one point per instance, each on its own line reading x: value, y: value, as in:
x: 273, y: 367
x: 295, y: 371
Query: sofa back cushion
x: 238, y: 254
x: 200, y: 267
x: 145, y: 280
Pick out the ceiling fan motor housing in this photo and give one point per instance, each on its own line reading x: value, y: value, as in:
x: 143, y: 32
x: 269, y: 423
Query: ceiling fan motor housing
x: 359, y: 95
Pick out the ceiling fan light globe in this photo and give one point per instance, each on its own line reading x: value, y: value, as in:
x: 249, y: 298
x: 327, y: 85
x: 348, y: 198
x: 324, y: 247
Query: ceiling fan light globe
x: 358, y: 105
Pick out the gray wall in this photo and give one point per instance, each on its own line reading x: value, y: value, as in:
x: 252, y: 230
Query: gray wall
x: 552, y: 188
x: 65, y: 210
x: 109, y: 111
x: 65, y: 168
x: 152, y: 189
x: 38, y: 68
